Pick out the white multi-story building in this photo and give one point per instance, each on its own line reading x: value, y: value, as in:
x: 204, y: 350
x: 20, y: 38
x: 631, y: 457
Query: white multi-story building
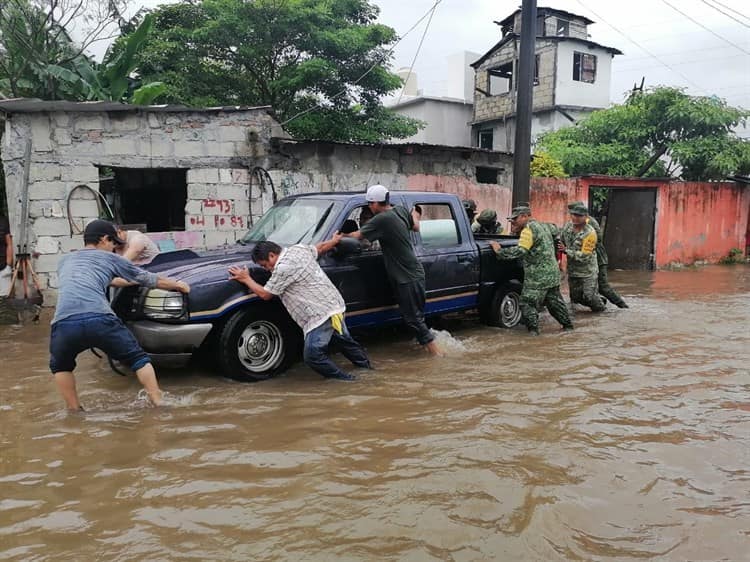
x: 571, y: 78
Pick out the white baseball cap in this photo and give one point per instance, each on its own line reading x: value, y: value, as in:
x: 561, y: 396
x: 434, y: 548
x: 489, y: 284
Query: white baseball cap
x: 377, y: 194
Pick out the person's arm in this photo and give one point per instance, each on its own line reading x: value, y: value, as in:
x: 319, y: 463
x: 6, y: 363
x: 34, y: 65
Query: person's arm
x: 416, y: 215
x: 588, y: 245
x: 119, y: 283
x: 134, y: 248
x: 323, y: 247
x: 132, y: 273
x: 356, y: 234
x: 525, y: 242
x: 9, y: 250
x: 242, y: 275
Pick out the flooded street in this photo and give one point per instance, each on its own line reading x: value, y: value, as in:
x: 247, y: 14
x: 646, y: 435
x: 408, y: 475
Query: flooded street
x: 626, y: 439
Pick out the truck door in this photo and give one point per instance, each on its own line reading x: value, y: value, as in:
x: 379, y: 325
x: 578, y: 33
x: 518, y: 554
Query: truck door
x: 448, y: 254
x: 361, y: 278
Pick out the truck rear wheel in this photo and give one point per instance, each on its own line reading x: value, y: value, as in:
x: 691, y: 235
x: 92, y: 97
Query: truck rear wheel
x: 505, y: 308
x: 258, y: 343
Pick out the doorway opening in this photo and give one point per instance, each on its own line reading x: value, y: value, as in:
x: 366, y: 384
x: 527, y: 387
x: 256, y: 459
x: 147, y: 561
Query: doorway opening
x: 149, y: 199
x: 628, y: 220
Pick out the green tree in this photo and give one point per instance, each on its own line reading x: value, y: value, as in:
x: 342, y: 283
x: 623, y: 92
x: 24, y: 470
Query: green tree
x: 660, y: 132
x: 320, y: 64
x: 545, y: 166
x: 38, y: 57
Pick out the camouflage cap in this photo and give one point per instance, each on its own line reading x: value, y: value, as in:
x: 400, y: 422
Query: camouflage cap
x: 487, y: 216
x: 520, y: 210
x: 469, y: 204
x: 578, y: 208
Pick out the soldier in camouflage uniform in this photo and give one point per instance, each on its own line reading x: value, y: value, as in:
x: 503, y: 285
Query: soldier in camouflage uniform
x: 541, y: 284
x: 578, y: 241
x: 487, y: 223
x: 605, y: 289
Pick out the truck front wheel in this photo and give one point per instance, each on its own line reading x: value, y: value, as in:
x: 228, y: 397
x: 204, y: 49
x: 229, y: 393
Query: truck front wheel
x: 258, y: 343
x: 505, y: 308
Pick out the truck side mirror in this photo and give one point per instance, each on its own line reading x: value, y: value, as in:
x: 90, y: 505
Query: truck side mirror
x: 347, y: 247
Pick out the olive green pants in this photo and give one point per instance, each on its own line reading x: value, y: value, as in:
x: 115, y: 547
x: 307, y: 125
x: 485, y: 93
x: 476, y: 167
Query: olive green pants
x: 585, y: 291
x: 606, y: 290
x: 532, y: 299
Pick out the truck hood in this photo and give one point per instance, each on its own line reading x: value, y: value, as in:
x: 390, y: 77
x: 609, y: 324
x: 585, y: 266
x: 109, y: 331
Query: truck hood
x: 206, y: 266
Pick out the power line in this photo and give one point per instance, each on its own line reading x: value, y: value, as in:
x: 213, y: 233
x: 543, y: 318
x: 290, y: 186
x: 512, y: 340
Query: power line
x: 652, y: 55
x: 403, y: 89
x: 730, y: 16
x: 712, y: 32
x: 731, y: 9
x: 377, y: 63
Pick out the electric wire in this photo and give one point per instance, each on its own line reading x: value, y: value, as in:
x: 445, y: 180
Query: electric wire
x: 699, y: 24
x: 652, y: 55
x: 726, y: 14
x: 377, y: 63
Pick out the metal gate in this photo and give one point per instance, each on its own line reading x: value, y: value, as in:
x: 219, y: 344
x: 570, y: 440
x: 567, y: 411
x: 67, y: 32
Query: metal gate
x: 629, y: 228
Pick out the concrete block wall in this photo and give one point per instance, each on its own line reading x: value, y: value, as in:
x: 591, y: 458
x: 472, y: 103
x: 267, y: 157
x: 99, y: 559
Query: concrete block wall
x: 216, y: 147
x: 309, y: 166
x: 488, y: 108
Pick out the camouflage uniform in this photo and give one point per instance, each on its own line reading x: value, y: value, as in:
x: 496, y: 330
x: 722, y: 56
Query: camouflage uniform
x: 541, y: 284
x: 582, y: 267
x: 605, y: 289
x: 486, y: 223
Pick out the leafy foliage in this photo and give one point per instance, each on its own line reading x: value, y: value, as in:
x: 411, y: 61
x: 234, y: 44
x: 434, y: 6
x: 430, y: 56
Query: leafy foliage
x: 660, y: 132
x: 320, y: 64
x: 39, y: 59
x: 544, y: 165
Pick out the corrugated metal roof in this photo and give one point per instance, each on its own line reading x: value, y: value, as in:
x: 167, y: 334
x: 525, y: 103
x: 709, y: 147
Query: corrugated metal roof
x: 287, y: 141
x: 33, y: 105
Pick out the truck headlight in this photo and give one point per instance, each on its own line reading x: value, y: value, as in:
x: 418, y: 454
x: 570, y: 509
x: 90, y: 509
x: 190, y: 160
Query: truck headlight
x: 161, y: 304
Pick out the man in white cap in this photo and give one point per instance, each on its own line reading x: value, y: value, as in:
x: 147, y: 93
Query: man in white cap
x: 391, y: 226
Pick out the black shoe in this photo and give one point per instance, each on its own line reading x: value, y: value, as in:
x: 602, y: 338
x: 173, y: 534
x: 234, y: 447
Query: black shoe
x: 622, y: 304
x: 568, y: 328
x: 533, y: 332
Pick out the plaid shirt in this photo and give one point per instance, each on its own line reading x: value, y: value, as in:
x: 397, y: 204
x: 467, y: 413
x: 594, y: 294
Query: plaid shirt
x: 303, y: 287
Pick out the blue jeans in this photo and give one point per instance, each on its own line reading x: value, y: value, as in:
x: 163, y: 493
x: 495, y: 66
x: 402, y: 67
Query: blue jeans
x: 70, y: 336
x: 317, y: 342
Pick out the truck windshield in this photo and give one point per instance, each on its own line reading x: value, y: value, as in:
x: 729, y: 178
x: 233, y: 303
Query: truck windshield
x: 293, y: 221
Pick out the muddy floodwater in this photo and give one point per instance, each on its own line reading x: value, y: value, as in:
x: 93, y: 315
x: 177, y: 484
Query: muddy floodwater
x: 626, y: 439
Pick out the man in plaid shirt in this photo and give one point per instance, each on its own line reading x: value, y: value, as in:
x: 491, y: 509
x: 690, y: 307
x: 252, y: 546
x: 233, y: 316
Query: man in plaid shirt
x: 311, y: 299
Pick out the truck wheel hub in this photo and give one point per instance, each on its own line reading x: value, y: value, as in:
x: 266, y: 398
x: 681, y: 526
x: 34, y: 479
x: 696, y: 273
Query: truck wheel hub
x: 260, y: 347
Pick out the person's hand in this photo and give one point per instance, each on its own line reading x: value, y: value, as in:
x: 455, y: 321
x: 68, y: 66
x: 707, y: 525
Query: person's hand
x: 337, y: 236
x: 561, y: 247
x: 495, y: 246
x: 183, y: 287
x: 240, y: 274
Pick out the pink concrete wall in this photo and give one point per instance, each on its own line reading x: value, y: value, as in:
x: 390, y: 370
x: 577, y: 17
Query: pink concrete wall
x: 700, y: 221
x: 550, y: 198
x: 487, y: 196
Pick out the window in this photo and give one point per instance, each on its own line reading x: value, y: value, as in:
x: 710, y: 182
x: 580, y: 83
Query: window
x: 437, y: 226
x: 150, y: 199
x: 584, y: 67
x: 500, y: 79
x: 487, y: 175
x: 563, y: 28
x: 486, y: 139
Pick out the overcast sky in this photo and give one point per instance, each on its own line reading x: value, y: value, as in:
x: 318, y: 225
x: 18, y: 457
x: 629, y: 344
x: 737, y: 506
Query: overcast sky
x: 659, y: 43
x: 685, y: 54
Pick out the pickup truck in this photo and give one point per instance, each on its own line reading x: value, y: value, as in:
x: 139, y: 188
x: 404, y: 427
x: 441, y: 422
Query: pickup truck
x: 251, y: 339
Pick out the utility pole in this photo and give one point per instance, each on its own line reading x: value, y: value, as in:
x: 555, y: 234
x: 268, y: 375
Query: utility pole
x: 522, y: 152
